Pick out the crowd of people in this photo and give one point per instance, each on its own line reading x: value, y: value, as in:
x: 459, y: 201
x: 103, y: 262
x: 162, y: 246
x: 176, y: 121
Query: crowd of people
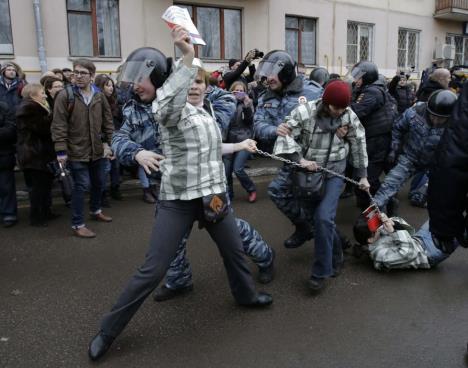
x: 186, y: 131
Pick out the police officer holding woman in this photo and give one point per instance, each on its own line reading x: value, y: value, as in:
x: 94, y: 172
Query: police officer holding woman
x: 192, y: 189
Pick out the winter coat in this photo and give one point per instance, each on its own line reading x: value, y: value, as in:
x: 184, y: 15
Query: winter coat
x: 7, y: 137
x: 35, y: 147
x: 81, y: 133
x: 11, y: 94
x: 426, y: 90
x: 405, y: 98
x: 273, y: 108
x: 241, y: 126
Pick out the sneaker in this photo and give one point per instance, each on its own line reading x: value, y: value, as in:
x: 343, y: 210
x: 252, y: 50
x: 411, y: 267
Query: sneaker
x: 148, y: 196
x: 84, y: 232
x: 163, y: 293
x: 266, y: 274
x: 252, y: 197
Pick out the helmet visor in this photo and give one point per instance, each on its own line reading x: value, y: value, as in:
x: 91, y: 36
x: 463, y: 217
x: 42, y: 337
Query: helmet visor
x: 357, y: 73
x: 268, y: 68
x: 136, y: 71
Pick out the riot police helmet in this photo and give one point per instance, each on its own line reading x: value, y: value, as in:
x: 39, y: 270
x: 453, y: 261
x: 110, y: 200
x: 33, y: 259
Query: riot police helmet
x: 441, y: 103
x: 277, y: 63
x: 146, y: 62
x: 320, y: 75
x: 366, y: 70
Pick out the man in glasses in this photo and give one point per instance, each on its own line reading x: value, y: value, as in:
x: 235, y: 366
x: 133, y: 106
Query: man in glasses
x: 81, y: 128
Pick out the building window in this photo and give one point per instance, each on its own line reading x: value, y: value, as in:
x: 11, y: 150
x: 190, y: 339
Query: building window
x: 6, y: 39
x: 461, y: 48
x: 360, y: 42
x: 220, y: 28
x: 301, y: 39
x: 93, y: 28
x: 408, y: 49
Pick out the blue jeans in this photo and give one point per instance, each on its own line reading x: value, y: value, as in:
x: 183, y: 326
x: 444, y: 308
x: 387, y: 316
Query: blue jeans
x: 236, y: 163
x: 328, y: 250
x: 434, y: 254
x: 8, y: 202
x: 144, y: 180
x: 112, y: 169
x: 87, y: 176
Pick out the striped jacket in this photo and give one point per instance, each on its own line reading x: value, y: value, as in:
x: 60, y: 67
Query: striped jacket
x: 191, y: 142
x: 314, y: 146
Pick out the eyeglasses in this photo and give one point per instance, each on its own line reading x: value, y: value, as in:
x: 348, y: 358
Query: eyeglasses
x: 80, y: 73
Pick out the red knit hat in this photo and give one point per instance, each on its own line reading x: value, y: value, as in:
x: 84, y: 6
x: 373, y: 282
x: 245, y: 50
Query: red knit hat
x: 337, y: 93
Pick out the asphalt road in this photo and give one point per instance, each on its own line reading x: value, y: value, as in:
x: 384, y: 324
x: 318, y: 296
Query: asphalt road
x: 54, y: 288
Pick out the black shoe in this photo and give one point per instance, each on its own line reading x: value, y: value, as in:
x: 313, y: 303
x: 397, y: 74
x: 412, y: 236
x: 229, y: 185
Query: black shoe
x: 263, y: 300
x: 163, y: 293
x: 52, y: 216
x: 393, y: 207
x: 116, y: 194
x: 316, y: 284
x: 9, y: 223
x: 299, y: 237
x: 266, y: 274
x: 148, y: 196
x: 99, y: 345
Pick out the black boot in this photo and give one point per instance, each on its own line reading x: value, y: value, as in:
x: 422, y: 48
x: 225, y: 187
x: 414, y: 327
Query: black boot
x: 393, y: 206
x: 300, y: 236
x: 148, y: 196
x: 99, y: 345
x: 115, y: 193
x: 266, y: 274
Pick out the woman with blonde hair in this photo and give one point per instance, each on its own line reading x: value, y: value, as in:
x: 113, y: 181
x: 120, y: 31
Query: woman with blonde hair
x: 35, y: 150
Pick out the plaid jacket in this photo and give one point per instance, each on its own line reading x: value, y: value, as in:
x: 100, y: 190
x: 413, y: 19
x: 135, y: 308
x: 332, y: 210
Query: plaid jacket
x: 191, y: 142
x: 398, y: 249
x: 314, y: 146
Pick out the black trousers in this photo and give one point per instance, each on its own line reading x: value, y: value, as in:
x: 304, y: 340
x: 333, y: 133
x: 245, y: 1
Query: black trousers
x: 40, y: 186
x: 173, y: 220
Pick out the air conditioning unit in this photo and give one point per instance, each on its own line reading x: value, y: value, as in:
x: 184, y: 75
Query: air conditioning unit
x: 445, y: 51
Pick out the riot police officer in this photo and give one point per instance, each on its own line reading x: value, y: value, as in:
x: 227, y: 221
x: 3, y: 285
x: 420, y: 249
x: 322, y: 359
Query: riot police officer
x: 285, y: 91
x: 376, y: 110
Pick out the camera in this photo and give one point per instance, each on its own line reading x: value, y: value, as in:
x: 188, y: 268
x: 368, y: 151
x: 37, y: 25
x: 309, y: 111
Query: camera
x: 258, y: 54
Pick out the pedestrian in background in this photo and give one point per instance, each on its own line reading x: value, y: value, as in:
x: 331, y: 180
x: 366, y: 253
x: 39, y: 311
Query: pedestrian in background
x: 52, y: 86
x: 8, y: 202
x: 35, y: 151
x: 240, y: 129
x: 79, y: 129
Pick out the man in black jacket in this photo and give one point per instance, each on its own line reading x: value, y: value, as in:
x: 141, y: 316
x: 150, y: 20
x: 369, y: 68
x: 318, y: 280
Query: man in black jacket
x: 376, y: 110
x: 8, y: 204
x: 449, y: 176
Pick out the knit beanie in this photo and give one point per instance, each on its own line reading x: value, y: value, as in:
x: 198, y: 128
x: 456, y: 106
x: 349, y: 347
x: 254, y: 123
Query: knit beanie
x: 337, y: 93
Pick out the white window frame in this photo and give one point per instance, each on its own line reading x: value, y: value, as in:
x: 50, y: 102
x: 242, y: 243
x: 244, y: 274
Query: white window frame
x: 361, y: 25
x: 418, y: 42
x: 452, y: 36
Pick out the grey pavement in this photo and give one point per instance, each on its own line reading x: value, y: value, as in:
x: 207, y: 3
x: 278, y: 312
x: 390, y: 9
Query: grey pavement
x: 54, y: 288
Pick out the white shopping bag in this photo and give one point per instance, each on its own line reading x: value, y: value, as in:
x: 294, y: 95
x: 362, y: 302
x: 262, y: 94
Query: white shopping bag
x: 177, y: 16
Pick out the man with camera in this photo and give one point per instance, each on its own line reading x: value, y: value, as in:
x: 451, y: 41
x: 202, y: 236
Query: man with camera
x: 237, y: 68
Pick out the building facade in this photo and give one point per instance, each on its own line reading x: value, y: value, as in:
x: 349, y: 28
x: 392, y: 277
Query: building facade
x: 395, y: 34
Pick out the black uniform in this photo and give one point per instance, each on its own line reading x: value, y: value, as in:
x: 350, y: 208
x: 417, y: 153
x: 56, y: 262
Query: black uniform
x: 448, y: 178
x: 376, y: 110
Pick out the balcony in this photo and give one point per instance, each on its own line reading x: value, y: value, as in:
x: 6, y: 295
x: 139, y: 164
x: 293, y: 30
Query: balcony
x: 452, y: 10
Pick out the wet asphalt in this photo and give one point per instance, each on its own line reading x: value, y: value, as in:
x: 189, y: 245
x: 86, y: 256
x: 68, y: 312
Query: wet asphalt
x: 54, y: 288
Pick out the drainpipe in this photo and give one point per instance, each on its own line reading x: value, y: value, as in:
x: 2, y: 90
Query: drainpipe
x: 41, y: 51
